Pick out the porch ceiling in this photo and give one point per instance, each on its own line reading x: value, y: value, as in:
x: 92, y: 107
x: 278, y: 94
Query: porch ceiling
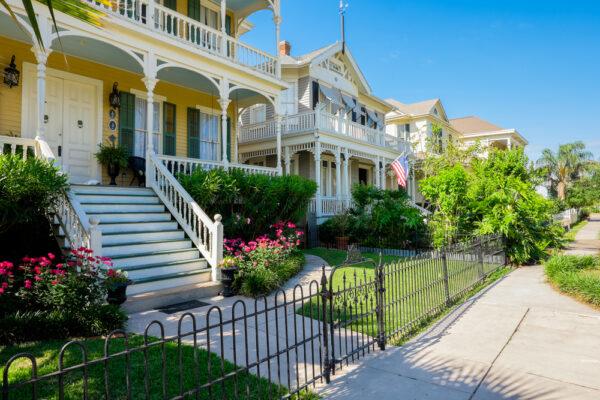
x: 95, y: 50
x: 243, y: 8
x: 189, y: 79
x: 10, y: 29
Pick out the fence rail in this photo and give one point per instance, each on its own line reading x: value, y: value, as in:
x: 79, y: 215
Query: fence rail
x: 272, y: 347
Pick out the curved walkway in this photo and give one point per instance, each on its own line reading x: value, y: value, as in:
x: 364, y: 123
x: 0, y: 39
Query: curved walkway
x: 518, y: 339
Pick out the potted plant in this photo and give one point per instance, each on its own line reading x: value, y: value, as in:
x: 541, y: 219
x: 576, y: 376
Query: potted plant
x: 114, y: 157
x: 341, y: 224
x: 116, y: 283
x: 229, y: 267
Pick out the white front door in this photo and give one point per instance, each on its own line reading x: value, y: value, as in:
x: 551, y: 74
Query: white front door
x: 79, y: 130
x: 71, y: 120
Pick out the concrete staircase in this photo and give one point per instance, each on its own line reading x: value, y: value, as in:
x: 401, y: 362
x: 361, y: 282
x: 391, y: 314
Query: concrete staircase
x: 141, y: 237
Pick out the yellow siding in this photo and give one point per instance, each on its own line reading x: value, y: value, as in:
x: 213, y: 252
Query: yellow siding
x: 10, y: 99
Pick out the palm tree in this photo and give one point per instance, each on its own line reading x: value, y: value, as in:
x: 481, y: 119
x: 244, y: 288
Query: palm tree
x: 565, y: 166
x: 74, y: 8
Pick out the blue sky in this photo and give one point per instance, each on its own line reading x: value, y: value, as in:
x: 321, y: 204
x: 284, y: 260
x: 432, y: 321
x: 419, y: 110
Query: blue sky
x: 527, y: 64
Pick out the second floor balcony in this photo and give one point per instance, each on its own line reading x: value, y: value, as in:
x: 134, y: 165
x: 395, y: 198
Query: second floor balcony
x: 323, y: 122
x: 217, y: 41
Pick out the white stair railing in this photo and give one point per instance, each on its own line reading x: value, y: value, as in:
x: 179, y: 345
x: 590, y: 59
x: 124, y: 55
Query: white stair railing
x: 206, y: 234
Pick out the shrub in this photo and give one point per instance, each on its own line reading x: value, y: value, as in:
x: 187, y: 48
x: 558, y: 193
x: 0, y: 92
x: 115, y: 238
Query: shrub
x: 249, y: 203
x: 576, y: 275
x: 268, y: 261
x: 67, y: 298
x: 384, y: 218
x: 28, y: 188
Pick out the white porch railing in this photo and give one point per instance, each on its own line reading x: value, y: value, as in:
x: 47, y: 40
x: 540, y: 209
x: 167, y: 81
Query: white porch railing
x: 206, y: 234
x: 322, y: 121
x: 187, y: 166
x: 78, y: 230
x: 330, y: 206
x: 165, y: 21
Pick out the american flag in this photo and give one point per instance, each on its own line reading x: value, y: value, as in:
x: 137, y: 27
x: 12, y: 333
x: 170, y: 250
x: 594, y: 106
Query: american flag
x: 400, y: 167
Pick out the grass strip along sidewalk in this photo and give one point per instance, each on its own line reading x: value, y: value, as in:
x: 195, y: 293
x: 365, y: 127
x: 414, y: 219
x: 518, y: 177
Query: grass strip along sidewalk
x: 198, y: 368
x: 577, y: 276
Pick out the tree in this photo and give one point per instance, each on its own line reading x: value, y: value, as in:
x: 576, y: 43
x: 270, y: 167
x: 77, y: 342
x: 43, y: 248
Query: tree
x: 585, y: 192
x: 74, y: 8
x: 560, y: 169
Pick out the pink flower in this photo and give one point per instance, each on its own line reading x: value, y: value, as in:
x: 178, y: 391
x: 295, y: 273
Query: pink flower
x: 26, y: 259
x: 4, y: 285
x: 54, y: 282
x: 1, y: 290
x: 27, y: 284
x: 291, y: 225
x: 51, y: 256
x: 37, y: 278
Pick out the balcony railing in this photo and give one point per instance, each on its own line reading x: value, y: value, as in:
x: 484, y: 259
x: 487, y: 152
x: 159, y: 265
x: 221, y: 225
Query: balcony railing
x: 325, y: 122
x: 187, y: 166
x: 189, y: 31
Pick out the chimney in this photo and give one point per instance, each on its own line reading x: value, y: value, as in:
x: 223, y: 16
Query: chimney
x: 285, y: 48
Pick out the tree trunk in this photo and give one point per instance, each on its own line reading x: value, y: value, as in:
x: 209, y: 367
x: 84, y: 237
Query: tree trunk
x: 561, y: 191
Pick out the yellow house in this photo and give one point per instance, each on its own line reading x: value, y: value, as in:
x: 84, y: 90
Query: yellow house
x: 165, y: 79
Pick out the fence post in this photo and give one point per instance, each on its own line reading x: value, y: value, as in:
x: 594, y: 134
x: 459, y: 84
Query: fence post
x: 325, y: 296
x: 446, y: 277
x: 481, y: 259
x: 380, y: 309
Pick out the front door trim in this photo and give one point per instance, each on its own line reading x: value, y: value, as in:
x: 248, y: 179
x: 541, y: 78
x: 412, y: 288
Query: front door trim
x: 30, y: 77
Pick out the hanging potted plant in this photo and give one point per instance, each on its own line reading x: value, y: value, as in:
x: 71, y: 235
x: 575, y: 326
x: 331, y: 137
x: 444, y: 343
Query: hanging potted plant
x: 229, y: 268
x: 116, y: 283
x: 113, y: 157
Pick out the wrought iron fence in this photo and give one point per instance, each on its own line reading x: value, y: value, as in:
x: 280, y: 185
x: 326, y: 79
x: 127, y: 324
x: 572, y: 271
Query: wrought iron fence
x: 269, y: 348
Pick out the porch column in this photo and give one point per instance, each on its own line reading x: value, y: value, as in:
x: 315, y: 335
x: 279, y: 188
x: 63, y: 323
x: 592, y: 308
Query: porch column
x: 278, y: 122
x: 224, y: 103
x: 287, y: 160
x: 317, y: 153
x: 346, y: 177
x: 509, y: 144
x: 223, y: 27
x: 41, y: 57
x: 377, y: 172
x: 236, y: 144
x: 338, y: 175
x: 277, y: 21
x: 150, y: 83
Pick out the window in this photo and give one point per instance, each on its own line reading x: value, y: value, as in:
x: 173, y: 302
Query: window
x: 289, y: 100
x: 210, y: 17
x: 139, y: 140
x: 209, y: 137
x: 203, y: 135
x: 258, y: 113
x: 406, y: 131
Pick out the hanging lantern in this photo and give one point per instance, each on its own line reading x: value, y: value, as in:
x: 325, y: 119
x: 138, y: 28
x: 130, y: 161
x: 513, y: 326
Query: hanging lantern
x: 115, y: 98
x: 11, y: 74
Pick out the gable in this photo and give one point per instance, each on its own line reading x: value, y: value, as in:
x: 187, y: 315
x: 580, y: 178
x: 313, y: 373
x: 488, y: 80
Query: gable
x: 341, y: 65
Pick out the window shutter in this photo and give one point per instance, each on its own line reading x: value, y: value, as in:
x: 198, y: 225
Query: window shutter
x: 315, y: 94
x: 228, y: 24
x: 127, y: 121
x: 169, y: 129
x: 194, y: 9
x: 193, y: 120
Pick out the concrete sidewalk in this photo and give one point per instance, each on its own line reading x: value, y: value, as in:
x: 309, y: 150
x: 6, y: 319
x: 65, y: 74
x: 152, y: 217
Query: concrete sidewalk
x: 588, y: 239
x: 519, y: 339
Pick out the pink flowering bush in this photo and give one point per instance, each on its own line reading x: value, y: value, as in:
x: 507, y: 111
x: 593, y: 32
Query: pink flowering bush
x: 68, y: 296
x: 267, y: 261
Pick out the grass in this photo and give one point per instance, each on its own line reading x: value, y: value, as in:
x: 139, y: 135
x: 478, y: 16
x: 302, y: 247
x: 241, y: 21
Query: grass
x: 570, y: 235
x: 337, y: 257
x: 415, y: 294
x: 577, y: 276
x: 244, y: 384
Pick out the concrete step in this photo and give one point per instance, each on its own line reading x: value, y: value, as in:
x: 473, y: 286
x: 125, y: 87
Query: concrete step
x: 140, y: 237
x: 145, y: 247
x: 121, y: 218
x: 162, y: 269
x: 179, y: 294
x: 155, y: 257
x: 117, y: 199
x: 99, y: 208
x: 114, y: 190
x: 129, y: 227
x: 154, y: 284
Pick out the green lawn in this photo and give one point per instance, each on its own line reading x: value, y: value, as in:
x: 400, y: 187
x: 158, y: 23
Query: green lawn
x: 578, y: 276
x: 244, y: 385
x: 415, y: 293
x: 336, y: 257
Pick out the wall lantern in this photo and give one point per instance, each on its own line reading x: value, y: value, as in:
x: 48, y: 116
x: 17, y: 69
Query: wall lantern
x: 11, y: 74
x: 115, y: 98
